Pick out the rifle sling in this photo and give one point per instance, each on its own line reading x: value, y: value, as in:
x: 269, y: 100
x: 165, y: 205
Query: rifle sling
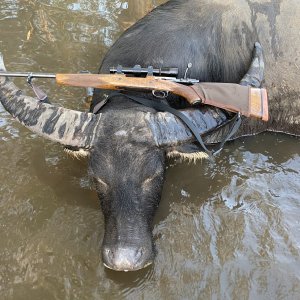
x: 159, y: 106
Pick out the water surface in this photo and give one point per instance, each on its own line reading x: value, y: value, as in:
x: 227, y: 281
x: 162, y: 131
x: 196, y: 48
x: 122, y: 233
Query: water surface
x: 228, y: 229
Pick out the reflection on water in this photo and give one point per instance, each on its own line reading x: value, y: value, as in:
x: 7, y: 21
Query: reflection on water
x: 241, y: 239
x: 227, y: 229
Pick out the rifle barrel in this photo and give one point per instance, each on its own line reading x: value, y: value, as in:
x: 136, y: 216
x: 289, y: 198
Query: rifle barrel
x: 26, y: 75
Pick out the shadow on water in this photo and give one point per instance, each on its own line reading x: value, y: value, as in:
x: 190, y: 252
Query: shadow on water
x: 129, y: 280
x: 225, y: 229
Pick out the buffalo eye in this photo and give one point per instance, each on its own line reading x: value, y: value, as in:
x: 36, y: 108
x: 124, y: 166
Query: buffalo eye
x: 101, y: 185
x: 150, y: 180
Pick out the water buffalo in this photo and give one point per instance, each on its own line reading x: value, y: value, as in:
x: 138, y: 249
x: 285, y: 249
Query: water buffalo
x: 128, y: 143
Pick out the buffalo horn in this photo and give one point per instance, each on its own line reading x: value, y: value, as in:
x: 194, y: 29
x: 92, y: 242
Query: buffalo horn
x: 68, y: 127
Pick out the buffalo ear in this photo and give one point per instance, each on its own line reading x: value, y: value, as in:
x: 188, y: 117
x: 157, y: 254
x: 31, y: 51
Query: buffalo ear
x: 190, y: 153
x: 77, y: 153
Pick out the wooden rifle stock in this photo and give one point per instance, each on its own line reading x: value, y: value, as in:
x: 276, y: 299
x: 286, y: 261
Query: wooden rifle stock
x: 122, y: 82
x: 248, y: 101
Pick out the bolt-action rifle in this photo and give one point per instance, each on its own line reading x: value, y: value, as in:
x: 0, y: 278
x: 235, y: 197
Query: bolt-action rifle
x: 248, y: 101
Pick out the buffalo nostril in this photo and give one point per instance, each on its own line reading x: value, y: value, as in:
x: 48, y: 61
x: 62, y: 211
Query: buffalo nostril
x: 139, y: 253
x: 126, y: 259
x: 108, y: 253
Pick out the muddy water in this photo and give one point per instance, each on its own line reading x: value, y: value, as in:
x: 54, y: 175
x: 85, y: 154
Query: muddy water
x: 228, y: 229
